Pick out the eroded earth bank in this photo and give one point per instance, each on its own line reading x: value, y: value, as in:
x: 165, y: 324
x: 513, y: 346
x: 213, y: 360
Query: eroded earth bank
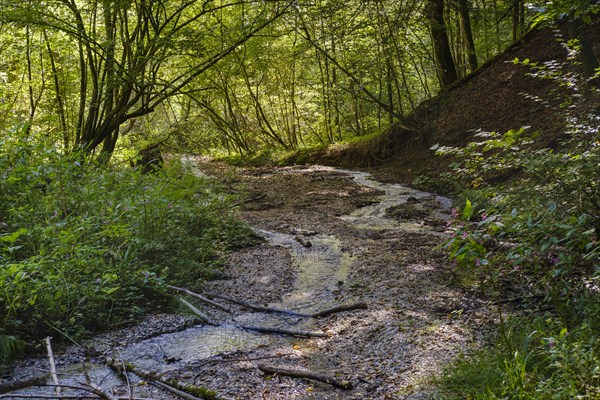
x: 332, y: 237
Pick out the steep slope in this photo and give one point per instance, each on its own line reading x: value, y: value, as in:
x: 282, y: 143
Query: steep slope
x: 499, y: 96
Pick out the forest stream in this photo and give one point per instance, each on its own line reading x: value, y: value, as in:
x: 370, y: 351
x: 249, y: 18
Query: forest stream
x: 331, y: 237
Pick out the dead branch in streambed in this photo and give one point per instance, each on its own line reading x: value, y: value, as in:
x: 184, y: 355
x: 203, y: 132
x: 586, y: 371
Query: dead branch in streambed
x: 7, y: 387
x: 298, y: 373
x: 201, y: 298
x: 283, y: 331
x: 338, y: 309
x: 324, y: 313
x: 198, y: 313
x: 208, y: 321
x: 190, y: 392
x: 253, y: 306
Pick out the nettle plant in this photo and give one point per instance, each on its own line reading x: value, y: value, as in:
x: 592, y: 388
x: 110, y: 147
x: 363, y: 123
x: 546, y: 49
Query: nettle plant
x: 543, y: 219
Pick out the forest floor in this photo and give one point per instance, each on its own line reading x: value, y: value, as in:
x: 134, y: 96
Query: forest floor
x: 418, y: 319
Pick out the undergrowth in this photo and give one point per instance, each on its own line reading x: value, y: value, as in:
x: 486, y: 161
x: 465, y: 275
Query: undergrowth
x: 533, y: 239
x: 86, y: 248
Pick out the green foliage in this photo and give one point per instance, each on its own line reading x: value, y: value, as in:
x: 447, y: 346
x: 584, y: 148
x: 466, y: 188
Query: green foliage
x: 84, y: 248
x: 531, y: 225
x: 539, y: 359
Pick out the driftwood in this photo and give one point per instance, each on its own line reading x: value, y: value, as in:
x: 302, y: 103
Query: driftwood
x: 334, y: 310
x: 122, y: 367
x: 253, y: 306
x: 324, y: 313
x: 296, y: 373
x: 7, y: 387
x: 198, y: 313
x: 175, y: 391
x: 201, y: 298
x: 284, y: 331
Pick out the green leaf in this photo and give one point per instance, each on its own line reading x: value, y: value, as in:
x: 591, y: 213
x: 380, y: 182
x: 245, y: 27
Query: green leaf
x: 468, y: 211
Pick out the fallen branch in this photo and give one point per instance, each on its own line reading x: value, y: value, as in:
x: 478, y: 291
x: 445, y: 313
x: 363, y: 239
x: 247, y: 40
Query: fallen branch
x: 40, y: 396
x: 228, y: 360
x: 284, y: 331
x: 63, y: 397
x: 52, y: 366
x: 201, y: 298
x: 198, y: 313
x: 334, y: 310
x: 296, y: 373
x: 7, y: 387
x: 123, y: 367
x: 173, y: 390
x: 253, y: 306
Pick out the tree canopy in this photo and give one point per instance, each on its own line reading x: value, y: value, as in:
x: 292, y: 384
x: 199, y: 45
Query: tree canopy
x: 239, y: 76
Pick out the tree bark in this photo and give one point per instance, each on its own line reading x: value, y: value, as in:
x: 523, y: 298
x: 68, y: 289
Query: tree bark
x: 446, y: 69
x: 465, y: 21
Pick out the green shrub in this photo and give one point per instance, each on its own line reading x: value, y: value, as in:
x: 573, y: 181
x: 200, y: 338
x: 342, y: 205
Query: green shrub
x: 85, y: 248
x: 530, y: 226
x: 532, y: 360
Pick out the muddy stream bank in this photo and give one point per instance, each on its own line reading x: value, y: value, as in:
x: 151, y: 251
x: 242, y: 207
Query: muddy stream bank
x: 331, y: 237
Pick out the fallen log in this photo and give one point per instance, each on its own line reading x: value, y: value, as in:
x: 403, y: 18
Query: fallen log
x: 7, y: 387
x: 253, y: 306
x: 200, y: 297
x: 284, y: 331
x: 153, y: 377
x: 177, y: 392
x: 334, y: 310
x: 297, y: 373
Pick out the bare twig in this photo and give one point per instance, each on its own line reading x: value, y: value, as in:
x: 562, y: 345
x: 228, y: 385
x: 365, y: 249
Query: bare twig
x: 199, y: 313
x: 201, y: 298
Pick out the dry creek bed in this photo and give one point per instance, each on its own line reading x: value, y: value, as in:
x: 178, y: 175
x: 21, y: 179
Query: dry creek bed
x: 331, y: 237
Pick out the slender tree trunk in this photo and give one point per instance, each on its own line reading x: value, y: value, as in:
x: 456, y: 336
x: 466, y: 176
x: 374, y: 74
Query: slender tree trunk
x: 446, y: 69
x: 465, y: 21
x: 60, y: 104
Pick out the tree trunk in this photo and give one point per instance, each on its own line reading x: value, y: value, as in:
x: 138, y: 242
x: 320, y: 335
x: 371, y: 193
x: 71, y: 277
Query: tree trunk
x: 467, y: 32
x: 446, y: 69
